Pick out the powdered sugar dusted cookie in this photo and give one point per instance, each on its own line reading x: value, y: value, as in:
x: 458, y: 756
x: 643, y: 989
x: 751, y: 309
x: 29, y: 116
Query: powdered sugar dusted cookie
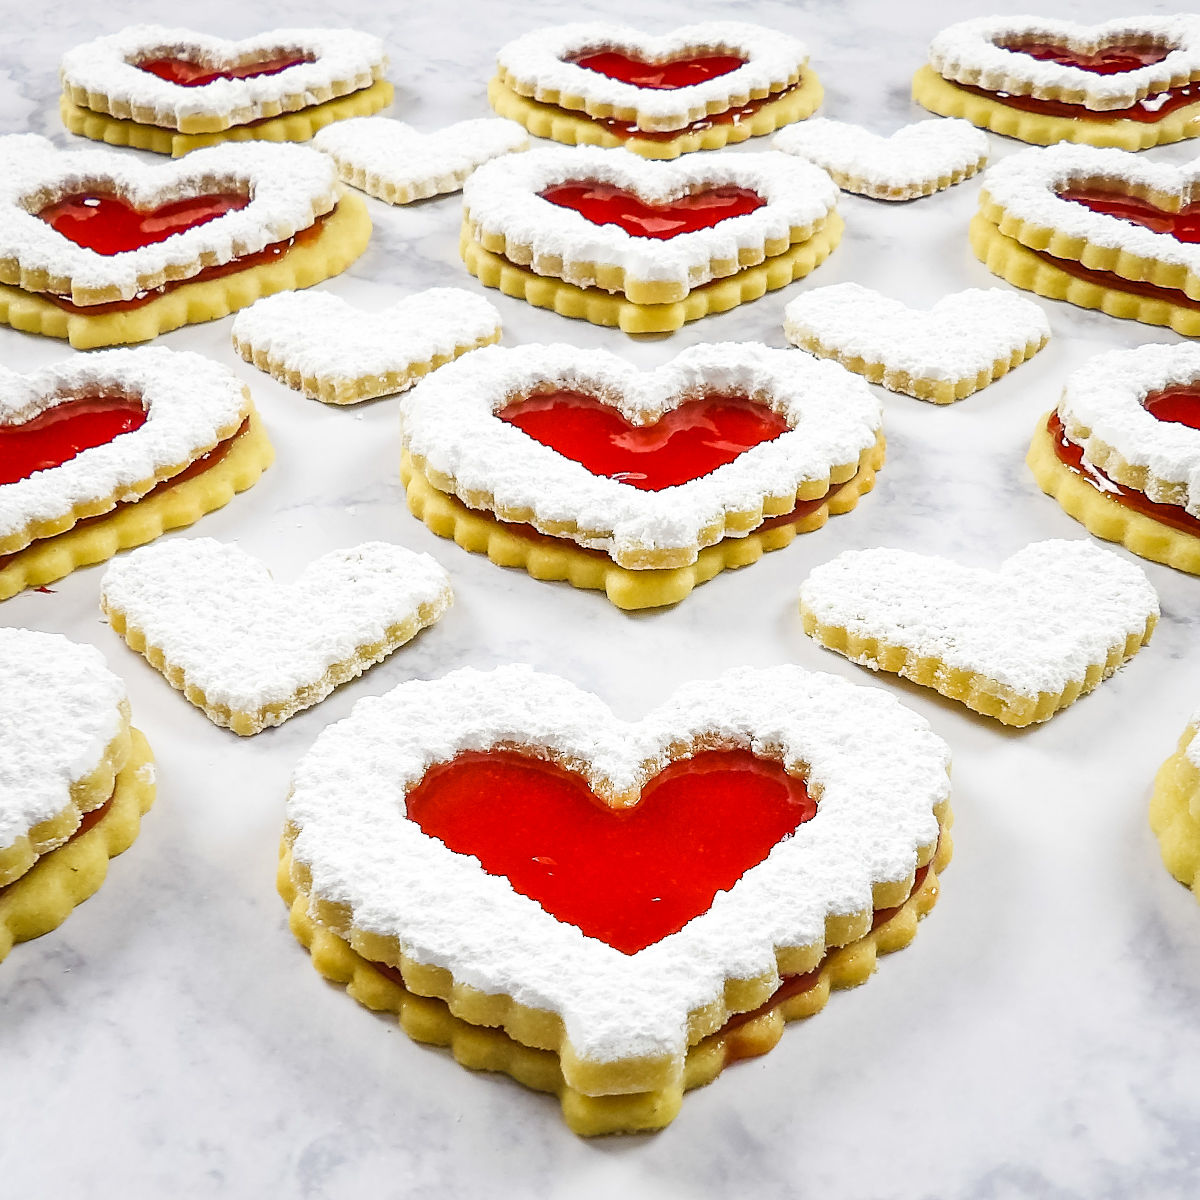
x: 1018, y: 643
x: 173, y: 90
x: 336, y: 353
x: 1130, y: 82
x: 251, y: 652
x: 1175, y: 809
x: 1121, y: 453
x: 918, y: 160
x: 396, y: 163
x: 458, y: 839
x: 606, y: 236
x: 1101, y: 228
x: 576, y: 465
x: 103, y: 248
x: 964, y: 342
x: 698, y: 87
x: 74, y: 779
x: 108, y: 450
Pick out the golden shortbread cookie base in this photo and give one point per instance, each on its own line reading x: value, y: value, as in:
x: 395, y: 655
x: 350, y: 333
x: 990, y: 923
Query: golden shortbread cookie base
x: 85, y: 794
x: 947, y: 99
x: 977, y: 691
x: 937, y: 391
x: 1175, y: 814
x: 246, y: 723
x: 433, y: 1019
x: 341, y: 389
x: 603, y: 308
x: 1107, y: 518
x: 578, y: 129
x: 60, y: 881
x: 555, y: 558
x: 861, y: 186
x: 343, y: 237
x: 297, y: 126
x: 1020, y: 266
x: 47, y: 559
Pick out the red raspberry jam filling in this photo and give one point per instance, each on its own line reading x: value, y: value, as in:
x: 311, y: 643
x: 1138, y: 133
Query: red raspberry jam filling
x: 661, y: 76
x: 1183, y: 226
x: 1148, y: 111
x: 691, y: 440
x: 1108, y: 60
x: 628, y: 877
x: 606, y: 204
x: 63, y: 431
x: 188, y: 73
x: 1184, y: 402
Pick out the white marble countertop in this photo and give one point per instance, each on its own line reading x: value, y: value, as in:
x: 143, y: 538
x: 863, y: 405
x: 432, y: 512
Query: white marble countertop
x: 1038, y: 1039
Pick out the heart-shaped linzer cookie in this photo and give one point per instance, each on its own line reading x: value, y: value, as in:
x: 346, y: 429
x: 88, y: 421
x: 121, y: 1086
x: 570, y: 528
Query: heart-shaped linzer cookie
x: 964, y: 342
x: 649, y: 466
x: 396, y: 163
x: 188, y: 81
x: 334, y: 352
x: 652, y: 230
x: 1018, y: 643
x: 739, y: 831
x: 87, y: 226
x: 251, y: 652
x: 917, y: 160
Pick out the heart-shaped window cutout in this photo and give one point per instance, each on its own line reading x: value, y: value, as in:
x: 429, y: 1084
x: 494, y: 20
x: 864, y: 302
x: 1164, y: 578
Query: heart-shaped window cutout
x: 607, y: 204
x: 1183, y: 224
x: 64, y: 430
x: 662, y: 75
x: 1178, y: 404
x: 690, y: 440
x: 189, y: 72
x: 625, y: 876
x: 1111, y: 59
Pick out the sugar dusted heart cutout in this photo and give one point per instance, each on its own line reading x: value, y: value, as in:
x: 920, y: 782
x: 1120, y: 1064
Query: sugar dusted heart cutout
x: 252, y: 652
x: 1017, y: 643
x: 683, y: 70
x: 1106, y: 197
x: 188, y: 72
x: 878, y: 772
x: 1111, y: 58
x: 606, y: 204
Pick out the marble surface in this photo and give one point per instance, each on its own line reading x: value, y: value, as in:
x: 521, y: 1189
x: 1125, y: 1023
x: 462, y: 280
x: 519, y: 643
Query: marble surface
x: 1037, y: 1040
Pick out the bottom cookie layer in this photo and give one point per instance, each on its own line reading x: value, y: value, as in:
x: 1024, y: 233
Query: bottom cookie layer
x: 1176, y: 789
x: 97, y: 539
x: 63, y: 879
x: 543, y: 557
x: 287, y: 127
x: 947, y: 99
x: 1105, y: 517
x: 1022, y: 267
x: 604, y: 308
x: 428, y: 1019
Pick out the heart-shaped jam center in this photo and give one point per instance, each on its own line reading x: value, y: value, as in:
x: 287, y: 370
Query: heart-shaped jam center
x: 661, y: 76
x: 628, y: 877
x: 188, y: 73
x: 1179, y: 405
x: 1183, y: 226
x: 690, y: 440
x: 63, y: 431
x: 109, y: 225
x: 605, y: 204
x: 1108, y: 60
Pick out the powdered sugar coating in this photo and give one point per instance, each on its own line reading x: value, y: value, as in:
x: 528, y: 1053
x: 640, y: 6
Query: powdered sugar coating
x: 916, y: 156
x: 59, y: 710
x: 191, y: 403
x: 449, y: 421
x: 962, y: 335
x: 537, y: 64
x: 317, y: 334
x: 248, y: 642
x: 397, y: 163
x: 106, y: 67
x: 502, y: 200
x: 1101, y: 406
x: 1034, y: 625
x: 288, y: 186
x: 968, y: 52
x: 1027, y: 186
x: 876, y: 767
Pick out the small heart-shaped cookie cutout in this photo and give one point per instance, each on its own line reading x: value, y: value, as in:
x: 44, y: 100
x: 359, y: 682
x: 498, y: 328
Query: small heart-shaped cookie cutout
x: 251, y: 652
x: 1018, y: 643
